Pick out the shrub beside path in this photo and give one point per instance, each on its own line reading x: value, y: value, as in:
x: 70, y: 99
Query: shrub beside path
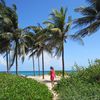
x: 47, y: 82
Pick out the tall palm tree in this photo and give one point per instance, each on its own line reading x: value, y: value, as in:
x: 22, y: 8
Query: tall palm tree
x: 38, y: 65
x: 42, y: 47
x: 59, y: 29
x: 31, y: 46
x: 33, y: 65
x: 31, y: 30
x: 4, y: 49
x: 17, y: 36
x: 5, y: 28
x: 90, y: 20
x: 40, y: 43
x: 20, y: 42
x: 12, y: 15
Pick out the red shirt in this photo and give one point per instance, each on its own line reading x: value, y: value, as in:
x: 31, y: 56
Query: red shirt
x: 52, y: 74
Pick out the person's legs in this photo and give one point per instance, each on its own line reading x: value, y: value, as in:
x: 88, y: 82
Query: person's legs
x: 52, y: 83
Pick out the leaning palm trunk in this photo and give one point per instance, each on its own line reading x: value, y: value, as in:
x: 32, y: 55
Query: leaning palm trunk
x: 63, y: 67
x: 39, y: 66
x: 16, y: 58
x: 42, y: 65
x: 7, y: 61
x: 33, y: 65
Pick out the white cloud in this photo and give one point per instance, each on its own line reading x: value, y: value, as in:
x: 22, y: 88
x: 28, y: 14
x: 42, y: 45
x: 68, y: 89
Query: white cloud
x: 2, y: 64
x: 2, y: 61
x: 52, y: 61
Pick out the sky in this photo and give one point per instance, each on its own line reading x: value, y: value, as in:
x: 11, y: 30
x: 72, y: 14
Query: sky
x: 32, y: 12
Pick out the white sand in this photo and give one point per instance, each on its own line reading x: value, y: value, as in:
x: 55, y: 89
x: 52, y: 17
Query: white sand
x: 47, y: 82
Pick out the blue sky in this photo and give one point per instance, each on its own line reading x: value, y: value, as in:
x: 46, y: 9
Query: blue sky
x: 31, y: 12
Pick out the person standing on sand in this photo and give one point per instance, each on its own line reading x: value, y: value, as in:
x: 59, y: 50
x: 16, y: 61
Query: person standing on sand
x: 52, y: 75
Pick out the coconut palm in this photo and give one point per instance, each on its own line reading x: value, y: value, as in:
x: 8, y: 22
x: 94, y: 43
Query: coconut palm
x: 39, y: 65
x: 5, y: 48
x: 20, y: 46
x: 59, y: 31
x: 40, y: 44
x: 90, y: 20
x: 30, y: 45
x: 10, y: 23
x: 18, y: 37
x: 5, y: 29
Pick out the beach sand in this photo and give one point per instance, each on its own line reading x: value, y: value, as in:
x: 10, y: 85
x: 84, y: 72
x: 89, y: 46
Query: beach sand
x: 47, y: 82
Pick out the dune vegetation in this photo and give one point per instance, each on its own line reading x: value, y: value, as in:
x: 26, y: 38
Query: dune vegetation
x: 84, y: 84
x: 14, y: 87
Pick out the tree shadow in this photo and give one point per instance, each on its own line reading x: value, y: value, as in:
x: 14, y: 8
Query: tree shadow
x: 49, y: 81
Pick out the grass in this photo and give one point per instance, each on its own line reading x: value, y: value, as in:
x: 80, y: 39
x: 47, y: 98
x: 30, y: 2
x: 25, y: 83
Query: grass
x: 82, y: 85
x: 14, y: 87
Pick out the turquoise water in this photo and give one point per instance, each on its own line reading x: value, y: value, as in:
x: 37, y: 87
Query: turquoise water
x: 31, y: 73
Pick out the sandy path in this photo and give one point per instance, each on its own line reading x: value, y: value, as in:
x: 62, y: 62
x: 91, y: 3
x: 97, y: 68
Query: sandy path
x: 47, y: 82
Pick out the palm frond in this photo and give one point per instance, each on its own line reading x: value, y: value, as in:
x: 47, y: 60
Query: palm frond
x: 89, y: 30
x: 83, y: 21
x: 90, y: 20
x: 12, y: 59
x: 91, y: 1
x: 94, y: 27
x: 86, y: 11
x: 76, y: 38
x: 68, y: 24
x: 14, y: 7
x: 3, y: 3
x: 58, y: 51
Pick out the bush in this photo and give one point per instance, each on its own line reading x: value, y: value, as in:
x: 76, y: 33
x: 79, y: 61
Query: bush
x: 14, y: 87
x: 90, y: 74
x: 81, y: 85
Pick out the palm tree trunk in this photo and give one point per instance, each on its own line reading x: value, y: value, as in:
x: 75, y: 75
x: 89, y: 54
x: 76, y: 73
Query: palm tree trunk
x: 43, y: 64
x: 16, y: 58
x: 63, y: 67
x: 7, y: 61
x: 39, y: 66
x: 33, y: 65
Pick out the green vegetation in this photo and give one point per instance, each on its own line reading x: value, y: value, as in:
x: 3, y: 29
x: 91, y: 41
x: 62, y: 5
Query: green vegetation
x: 82, y: 85
x: 14, y: 87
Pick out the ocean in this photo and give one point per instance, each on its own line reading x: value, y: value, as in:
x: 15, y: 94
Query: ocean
x: 31, y: 73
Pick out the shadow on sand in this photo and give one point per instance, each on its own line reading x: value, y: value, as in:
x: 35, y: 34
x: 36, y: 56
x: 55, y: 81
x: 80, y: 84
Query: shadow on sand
x: 48, y: 81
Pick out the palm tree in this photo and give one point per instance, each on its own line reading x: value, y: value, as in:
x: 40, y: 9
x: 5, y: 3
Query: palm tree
x: 31, y: 46
x: 12, y: 15
x: 59, y: 31
x: 4, y: 49
x: 31, y: 31
x: 33, y: 65
x: 5, y: 28
x: 90, y: 20
x: 17, y: 36
x: 40, y: 44
x: 38, y: 65
x: 20, y: 49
